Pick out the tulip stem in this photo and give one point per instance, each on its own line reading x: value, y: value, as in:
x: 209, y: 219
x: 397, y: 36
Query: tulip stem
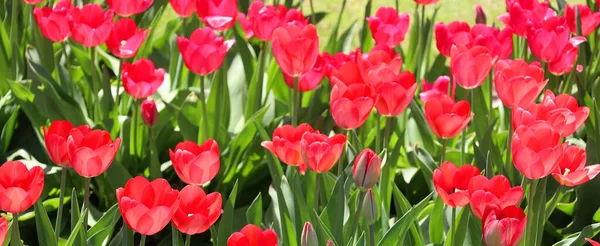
x: 529, y: 226
x: 203, y: 132
x: 507, y: 165
x: 188, y: 239
x: 296, y: 107
x: 86, y: 204
x: 317, y: 191
x: 68, y: 65
x: 443, y: 155
x: 118, y: 96
x: 61, y: 199
x: 154, y: 163
x: 453, y: 226
x: 344, y: 154
x: 387, y: 131
x: 143, y: 240
x: 372, y: 235
x: 16, y: 235
x: 378, y: 134
x: 359, y: 203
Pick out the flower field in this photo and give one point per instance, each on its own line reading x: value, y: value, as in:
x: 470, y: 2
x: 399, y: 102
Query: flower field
x: 250, y: 123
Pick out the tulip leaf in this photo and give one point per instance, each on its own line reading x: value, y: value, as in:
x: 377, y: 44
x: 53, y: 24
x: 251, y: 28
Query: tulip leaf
x: 78, y: 226
x: 436, y: 222
x: 402, y: 225
x: 322, y: 231
x: 424, y: 133
x: 75, y: 218
x: 461, y: 224
x: 428, y: 164
x: 176, y: 237
x: 403, y: 205
x: 302, y: 212
x: 578, y: 238
x: 254, y: 213
x: 272, y: 161
x: 226, y: 222
x: 44, y: 229
x: 103, y: 229
x: 334, y: 211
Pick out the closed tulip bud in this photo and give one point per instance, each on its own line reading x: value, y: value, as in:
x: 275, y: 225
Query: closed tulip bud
x: 330, y: 243
x: 369, y: 208
x: 309, y: 236
x: 367, y: 167
x: 479, y: 15
x: 149, y: 112
x: 592, y: 242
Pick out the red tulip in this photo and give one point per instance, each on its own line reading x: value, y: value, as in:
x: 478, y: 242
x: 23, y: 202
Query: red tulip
x: 125, y: 38
x: 196, y: 164
x: 395, y: 96
x: 184, y: 8
x: 503, y: 226
x: 550, y: 39
x: 378, y: 66
x: 592, y: 242
x: 454, y: 33
x: 352, y: 104
x: 496, y: 191
x: 55, y: 138
x: 447, y: 118
x: 564, y: 62
x: 498, y: 42
x: 526, y: 14
x: 536, y: 149
x: 321, y: 152
x: 426, y: 2
x: 479, y: 15
x: 438, y: 89
x: 127, y: 8
x: 470, y: 67
x: 20, y: 187
x: 33, y: 1
x: 589, y: 20
x: 388, y: 27
x: 246, y: 25
x: 149, y: 112
x: 518, y: 84
x: 572, y: 170
x: 217, y: 14
x: 343, y: 68
x: 54, y: 22
x: 295, y: 16
x: 204, y: 52
x: 147, y: 207
x: 141, y: 79
x: 366, y: 169
x: 197, y: 211
x: 286, y: 143
x: 90, y: 25
x: 252, y: 235
x: 295, y: 48
x: 91, y: 153
x: 452, y: 183
x: 3, y: 229
x: 265, y: 18
x: 310, y: 80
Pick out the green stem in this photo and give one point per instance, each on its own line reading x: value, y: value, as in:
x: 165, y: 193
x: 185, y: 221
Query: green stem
x: 491, y: 95
x: 312, y: 13
x: 16, y: 236
x: 443, y: 155
x: 397, y: 5
x: 359, y: 203
x: 387, y: 132
x: 126, y: 231
x: 86, y: 205
x: 378, y: 134
x: 178, y: 70
x: 119, y: 82
x: 463, y: 141
x: 154, y: 163
x: 61, y: 199
x: 507, y: 165
x: 453, y: 226
x: 143, y: 240
x: 68, y: 66
x: 188, y: 239
x: 372, y: 235
x: 529, y: 227
x: 203, y: 132
x: 344, y: 154
x: 296, y: 110
x: 221, y: 84
x: 317, y: 191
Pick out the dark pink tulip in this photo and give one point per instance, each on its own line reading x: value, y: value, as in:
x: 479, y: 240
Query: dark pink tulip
x: 217, y: 14
x: 204, y: 52
x: 141, y: 79
x: 125, y: 38
x: 184, y: 8
x: 589, y: 20
x: 388, y: 27
x: 129, y: 7
x: 54, y: 22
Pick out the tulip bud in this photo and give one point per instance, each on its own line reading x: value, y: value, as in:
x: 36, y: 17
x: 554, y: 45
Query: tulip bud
x: 479, y: 15
x: 369, y: 209
x: 149, y: 112
x: 309, y: 236
x: 330, y: 243
x: 367, y: 167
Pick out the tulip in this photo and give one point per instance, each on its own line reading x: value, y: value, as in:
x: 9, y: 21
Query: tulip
x: 127, y: 8
x: 589, y: 20
x: 438, y: 89
x: 91, y: 152
x: 518, y: 84
x: 330, y: 243
x: 310, y: 80
x: 454, y: 33
x: 141, y: 79
x: 3, y: 229
x: 252, y: 235
x: 309, y: 236
x: 498, y: 42
x: 149, y: 112
x: 33, y: 1
x: 55, y: 138
x: 217, y: 14
x: 378, y: 66
x: 265, y: 18
x: 246, y: 25
x: 426, y: 2
x: 90, y: 25
x: 388, y: 27
x: 470, y: 67
x: 395, y: 96
x: 572, y: 170
x: 369, y: 208
x: 296, y: 17
x: 536, y: 149
x: 204, y: 52
x: 147, y: 207
x: 592, y: 242
x: 286, y: 143
x: 366, y: 170
x: 125, y: 39
x: 343, y: 68
x: 548, y: 42
x: 479, y: 15
x: 564, y: 63
x: 503, y: 226
x: 524, y: 15
x: 351, y: 105
x: 452, y: 183
x: 196, y: 164
x: 197, y: 211
x: 184, y: 8
x: 54, y: 22
x: 496, y: 191
x: 295, y: 48
x: 321, y: 152
x: 447, y: 118
x: 20, y: 187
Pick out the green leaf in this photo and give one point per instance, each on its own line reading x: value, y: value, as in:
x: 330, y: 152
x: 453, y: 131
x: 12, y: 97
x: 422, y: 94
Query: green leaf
x: 254, y: 213
x: 436, y: 222
x: 334, y: 211
x: 578, y: 239
x: 103, y: 229
x: 44, y: 229
x: 75, y: 218
x: 399, y: 229
x: 176, y: 237
x: 462, y: 224
x: 322, y: 230
x: 403, y: 205
x: 78, y: 226
x: 226, y: 222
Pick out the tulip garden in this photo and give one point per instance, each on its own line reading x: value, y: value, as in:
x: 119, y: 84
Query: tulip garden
x: 240, y: 123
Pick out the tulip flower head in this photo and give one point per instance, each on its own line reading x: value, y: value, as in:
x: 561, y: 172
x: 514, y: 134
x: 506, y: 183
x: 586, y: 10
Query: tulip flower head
x: 265, y: 19
x: 32, y: 2
x: 470, y: 67
x: 286, y: 143
x: 204, y: 52
x: 380, y: 65
x: 524, y: 15
x: 196, y: 164
x: 54, y: 22
x: 125, y: 38
x: 91, y: 152
x: 536, y: 149
x: 572, y: 170
x: 310, y: 80
x: 147, y: 207
x: 149, y: 112
x: 55, y: 138
x: 447, y: 118
x: 479, y: 15
x: 351, y: 105
x: 438, y: 89
x: 184, y: 8
x: 197, y: 211
x: 592, y: 242
x: 426, y: 2
x: 589, y: 20
x: 503, y: 226
x: 309, y: 236
x: 219, y: 15
x: 550, y: 41
x: 395, y: 96
x: 343, y: 68
x: 252, y: 235
x: 518, y: 84
x: 320, y: 152
x: 141, y: 79
x: 127, y: 8
x: 90, y: 25
x: 367, y: 168
x: 20, y: 187
x: 454, y: 33
x: 495, y: 191
x: 388, y: 27
x: 295, y: 48
x: 452, y: 183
